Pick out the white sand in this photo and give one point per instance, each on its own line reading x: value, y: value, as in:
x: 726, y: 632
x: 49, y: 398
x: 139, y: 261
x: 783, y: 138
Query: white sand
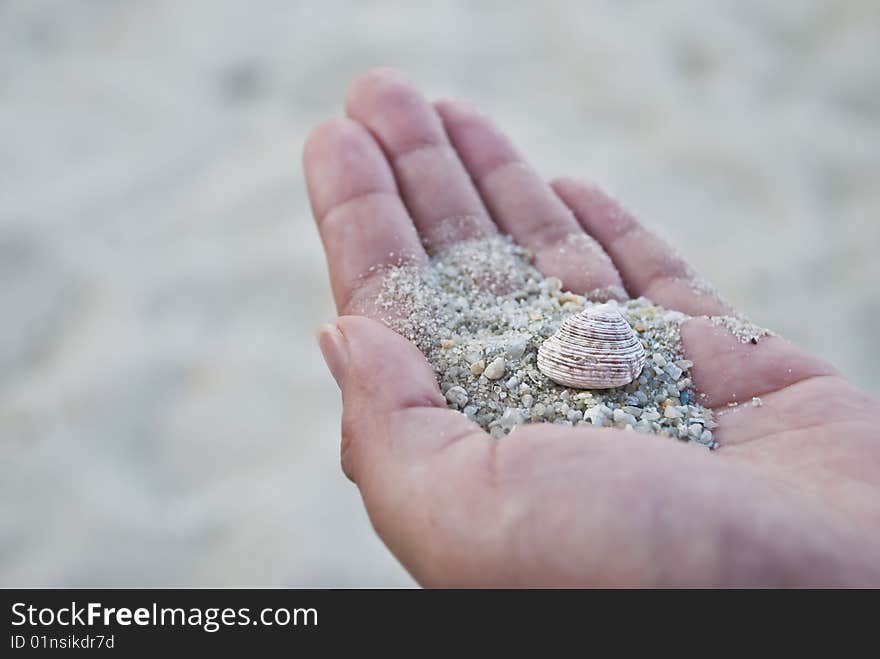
x: 164, y: 415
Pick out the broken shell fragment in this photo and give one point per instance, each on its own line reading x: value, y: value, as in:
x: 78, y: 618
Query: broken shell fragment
x: 595, y: 349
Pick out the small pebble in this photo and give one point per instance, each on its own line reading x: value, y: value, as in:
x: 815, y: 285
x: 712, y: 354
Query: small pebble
x: 596, y: 415
x: 620, y: 416
x: 672, y: 412
x: 512, y: 417
x: 495, y: 370
x: 478, y: 367
x: 568, y: 296
x: 473, y: 356
x: 457, y: 396
x: 659, y: 359
x: 515, y: 350
x: 552, y: 284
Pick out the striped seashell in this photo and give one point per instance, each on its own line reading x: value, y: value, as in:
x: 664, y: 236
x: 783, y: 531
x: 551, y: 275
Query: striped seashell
x: 595, y: 349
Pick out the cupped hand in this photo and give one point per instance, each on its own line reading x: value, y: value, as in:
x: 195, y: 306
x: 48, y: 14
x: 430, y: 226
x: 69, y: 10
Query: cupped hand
x: 792, y: 497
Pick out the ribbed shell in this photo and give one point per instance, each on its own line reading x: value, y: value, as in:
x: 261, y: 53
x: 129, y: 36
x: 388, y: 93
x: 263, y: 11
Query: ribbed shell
x: 595, y: 349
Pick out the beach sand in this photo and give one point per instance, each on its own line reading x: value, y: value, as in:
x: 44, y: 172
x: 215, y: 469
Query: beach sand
x: 165, y: 415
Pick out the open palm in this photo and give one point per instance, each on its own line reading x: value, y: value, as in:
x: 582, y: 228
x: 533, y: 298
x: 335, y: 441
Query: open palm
x: 791, y: 498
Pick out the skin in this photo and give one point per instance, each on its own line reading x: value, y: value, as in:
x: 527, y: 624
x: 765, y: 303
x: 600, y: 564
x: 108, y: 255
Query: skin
x: 792, y: 497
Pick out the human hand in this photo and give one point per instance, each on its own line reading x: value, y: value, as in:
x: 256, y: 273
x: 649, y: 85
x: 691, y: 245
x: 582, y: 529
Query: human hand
x: 792, y: 498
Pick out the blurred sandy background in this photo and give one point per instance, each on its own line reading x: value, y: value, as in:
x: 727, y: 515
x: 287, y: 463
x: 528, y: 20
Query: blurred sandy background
x: 165, y: 416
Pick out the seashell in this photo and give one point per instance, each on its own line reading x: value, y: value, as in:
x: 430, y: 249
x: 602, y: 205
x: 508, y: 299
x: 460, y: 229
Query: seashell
x: 595, y: 349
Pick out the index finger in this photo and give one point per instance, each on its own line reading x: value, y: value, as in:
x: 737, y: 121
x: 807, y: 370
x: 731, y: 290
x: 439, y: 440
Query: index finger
x: 362, y: 220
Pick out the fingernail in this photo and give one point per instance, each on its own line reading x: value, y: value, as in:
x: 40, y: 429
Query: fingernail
x: 334, y: 347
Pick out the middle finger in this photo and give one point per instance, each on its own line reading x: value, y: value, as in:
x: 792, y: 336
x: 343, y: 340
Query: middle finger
x: 434, y: 185
x: 525, y: 206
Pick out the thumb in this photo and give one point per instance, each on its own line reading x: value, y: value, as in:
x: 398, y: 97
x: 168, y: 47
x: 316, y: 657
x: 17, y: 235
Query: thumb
x: 388, y: 388
x: 369, y: 359
x: 416, y: 462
